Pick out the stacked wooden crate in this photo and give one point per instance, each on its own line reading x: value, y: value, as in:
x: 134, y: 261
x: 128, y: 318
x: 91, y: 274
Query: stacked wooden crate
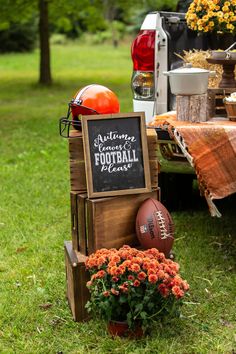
x: 100, y: 222
x: 215, y: 101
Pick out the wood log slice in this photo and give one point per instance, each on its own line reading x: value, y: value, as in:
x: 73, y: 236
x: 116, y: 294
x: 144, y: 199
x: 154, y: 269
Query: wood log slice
x: 192, y: 108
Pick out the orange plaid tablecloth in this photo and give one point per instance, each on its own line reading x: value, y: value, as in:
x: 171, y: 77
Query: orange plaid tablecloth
x: 210, y: 147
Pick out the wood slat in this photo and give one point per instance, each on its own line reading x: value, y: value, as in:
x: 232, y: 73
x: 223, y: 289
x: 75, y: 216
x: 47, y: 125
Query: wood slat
x: 111, y: 221
x: 76, y: 279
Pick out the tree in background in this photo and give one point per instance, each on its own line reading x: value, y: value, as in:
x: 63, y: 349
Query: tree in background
x: 183, y: 5
x: 117, y: 15
x: 45, y: 76
x: 145, y: 6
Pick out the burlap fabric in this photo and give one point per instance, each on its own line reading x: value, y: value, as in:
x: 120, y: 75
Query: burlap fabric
x: 210, y: 148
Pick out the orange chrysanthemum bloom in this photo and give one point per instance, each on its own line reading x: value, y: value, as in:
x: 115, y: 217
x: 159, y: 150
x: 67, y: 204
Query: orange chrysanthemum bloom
x: 153, y: 264
x: 120, y: 270
x: 115, y: 259
x: 106, y: 293
x: 177, y: 281
x: 142, y: 276
x: 112, y: 270
x: 90, y: 263
x: 152, y: 278
x: 145, y: 264
x: 135, y: 267
x: 136, y: 283
x: 111, y: 264
x: 124, y: 287
x: 114, y: 291
x: 101, y: 260
x: 101, y: 274
x: 138, y: 260
x: 154, y: 252
x: 151, y: 271
x: 115, y: 279
x: 163, y: 290
x: 161, y: 274
x: 177, y: 292
x: 161, y: 257
x: 185, y: 285
x: 124, y: 254
x: 126, y: 263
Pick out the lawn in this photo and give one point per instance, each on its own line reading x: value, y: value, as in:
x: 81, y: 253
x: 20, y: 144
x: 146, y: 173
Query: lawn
x: 35, y: 221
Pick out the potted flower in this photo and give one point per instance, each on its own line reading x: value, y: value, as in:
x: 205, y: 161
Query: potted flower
x: 213, y: 16
x: 133, y: 287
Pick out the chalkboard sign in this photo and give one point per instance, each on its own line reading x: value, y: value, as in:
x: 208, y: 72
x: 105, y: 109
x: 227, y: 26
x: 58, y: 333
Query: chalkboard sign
x: 116, y: 154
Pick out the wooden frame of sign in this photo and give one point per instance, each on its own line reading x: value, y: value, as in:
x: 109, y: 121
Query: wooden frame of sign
x: 116, y: 154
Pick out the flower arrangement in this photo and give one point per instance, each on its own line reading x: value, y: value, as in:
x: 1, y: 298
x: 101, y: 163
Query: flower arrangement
x: 132, y: 285
x: 212, y: 16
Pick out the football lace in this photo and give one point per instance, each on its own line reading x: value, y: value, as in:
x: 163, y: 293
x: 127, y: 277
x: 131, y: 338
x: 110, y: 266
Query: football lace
x: 161, y: 221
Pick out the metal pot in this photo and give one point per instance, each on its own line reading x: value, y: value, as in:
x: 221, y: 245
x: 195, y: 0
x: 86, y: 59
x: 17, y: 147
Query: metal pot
x: 188, y: 81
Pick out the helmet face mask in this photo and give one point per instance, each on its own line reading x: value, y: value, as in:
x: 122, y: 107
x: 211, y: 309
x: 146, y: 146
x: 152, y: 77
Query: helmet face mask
x: 81, y: 110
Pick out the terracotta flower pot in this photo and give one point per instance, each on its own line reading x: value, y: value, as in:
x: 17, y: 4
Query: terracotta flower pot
x: 121, y: 329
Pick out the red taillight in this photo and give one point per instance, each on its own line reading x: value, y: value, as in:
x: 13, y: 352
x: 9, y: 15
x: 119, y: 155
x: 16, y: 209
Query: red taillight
x: 143, y: 51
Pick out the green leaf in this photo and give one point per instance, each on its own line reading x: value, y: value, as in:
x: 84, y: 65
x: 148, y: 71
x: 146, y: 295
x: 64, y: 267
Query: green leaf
x: 138, y: 307
x: 129, y: 319
x: 122, y: 299
x: 150, y: 305
x: 143, y: 315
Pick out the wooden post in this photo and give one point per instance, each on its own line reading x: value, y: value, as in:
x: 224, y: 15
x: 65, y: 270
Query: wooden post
x: 191, y: 108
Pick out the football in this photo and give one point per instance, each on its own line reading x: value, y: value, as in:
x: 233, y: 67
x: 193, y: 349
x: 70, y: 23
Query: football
x: 154, y: 226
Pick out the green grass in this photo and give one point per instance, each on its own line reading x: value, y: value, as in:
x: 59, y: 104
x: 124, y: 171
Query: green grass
x: 35, y: 221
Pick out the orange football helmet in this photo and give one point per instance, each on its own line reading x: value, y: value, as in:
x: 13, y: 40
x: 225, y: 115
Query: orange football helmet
x: 94, y: 99
x: 91, y: 99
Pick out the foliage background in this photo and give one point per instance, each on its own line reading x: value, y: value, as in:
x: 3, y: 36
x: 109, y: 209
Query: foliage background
x: 73, y: 18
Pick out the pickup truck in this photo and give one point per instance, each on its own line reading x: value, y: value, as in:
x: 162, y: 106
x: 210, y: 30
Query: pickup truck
x: 161, y: 37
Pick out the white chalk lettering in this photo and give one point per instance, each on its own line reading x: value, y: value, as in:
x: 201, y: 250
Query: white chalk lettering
x: 115, y: 152
x: 108, y: 158
x: 113, y: 136
x: 96, y: 155
x: 102, y: 158
x: 118, y: 157
x: 124, y: 156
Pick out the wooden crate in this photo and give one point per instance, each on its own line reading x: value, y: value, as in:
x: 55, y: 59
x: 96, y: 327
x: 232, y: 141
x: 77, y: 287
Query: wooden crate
x: 77, y: 164
x: 215, y: 104
x: 106, y: 222
x: 76, y: 278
